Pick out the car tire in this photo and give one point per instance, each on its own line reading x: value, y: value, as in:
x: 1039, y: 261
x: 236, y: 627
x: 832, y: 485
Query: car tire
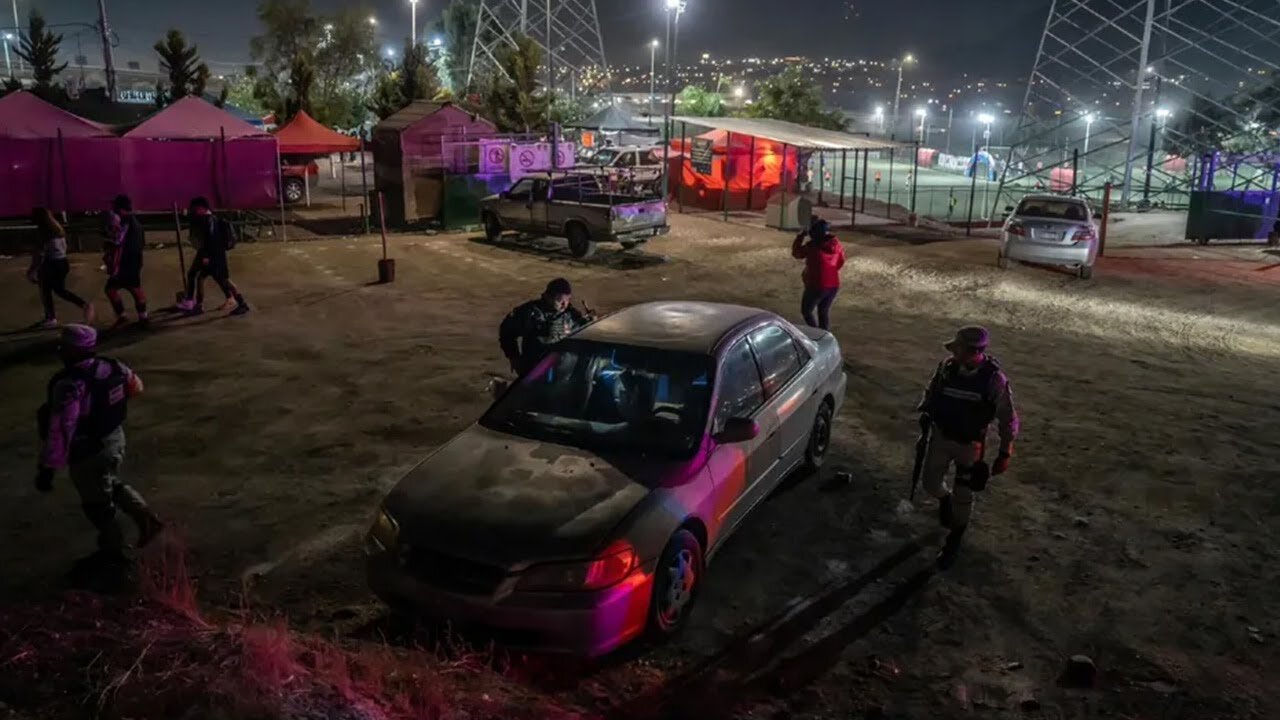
x: 1002, y: 262
x: 676, y: 581
x: 492, y: 228
x: 580, y: 242
x: 294, y: 191
x: 1085, y: 272
x: 819, y: 442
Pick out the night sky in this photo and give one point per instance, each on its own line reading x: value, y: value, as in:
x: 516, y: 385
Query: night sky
x: 948, y: 36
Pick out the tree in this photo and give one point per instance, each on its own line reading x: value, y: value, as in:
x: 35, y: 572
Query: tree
x: 346, y: 65
x: 239, y: 91
x: 39, y: 47
x: 458, y: 26
x: 418, y: 80
x: 700, y: 103
x: 513, y: 101
x: 181, y: 62
x: 286, y: 52
x: 790, y: 96
x: 12, y: 84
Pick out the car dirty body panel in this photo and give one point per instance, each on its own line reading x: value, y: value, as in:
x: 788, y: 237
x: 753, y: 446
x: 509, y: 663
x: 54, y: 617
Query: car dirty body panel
x: 633, y: 449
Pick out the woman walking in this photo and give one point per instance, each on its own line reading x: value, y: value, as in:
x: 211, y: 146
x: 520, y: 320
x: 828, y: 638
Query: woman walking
x: 49, y: 268
x: 823, y: 257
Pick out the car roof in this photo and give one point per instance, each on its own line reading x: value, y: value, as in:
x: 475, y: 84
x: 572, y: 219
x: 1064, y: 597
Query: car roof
x: 682, y: 326
x: 1055, y: 198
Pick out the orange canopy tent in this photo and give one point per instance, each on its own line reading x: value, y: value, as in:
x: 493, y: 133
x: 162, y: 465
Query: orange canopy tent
x: 304, y: 136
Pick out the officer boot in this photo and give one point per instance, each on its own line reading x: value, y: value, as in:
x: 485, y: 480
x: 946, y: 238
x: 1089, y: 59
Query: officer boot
x: 946, y: 512
x: 950, y: 548
x: 128, y: 500
x: 110, y: 536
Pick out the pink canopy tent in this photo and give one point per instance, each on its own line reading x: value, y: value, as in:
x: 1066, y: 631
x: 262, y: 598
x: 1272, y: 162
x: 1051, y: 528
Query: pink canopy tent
x: 51, y: 158
x: 192, y: 148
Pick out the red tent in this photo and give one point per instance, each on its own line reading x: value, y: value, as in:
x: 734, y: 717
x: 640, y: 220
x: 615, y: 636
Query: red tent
x: 53, y: 159
x: 192, y: 148
x: 304, y: 136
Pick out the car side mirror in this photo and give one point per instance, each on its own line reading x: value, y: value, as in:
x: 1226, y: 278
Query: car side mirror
x: 1008, y: 208
x: 497, y: 387
x: 737, y: 430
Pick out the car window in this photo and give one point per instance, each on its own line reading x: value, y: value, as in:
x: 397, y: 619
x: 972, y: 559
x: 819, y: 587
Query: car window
x: 741, y: 393
x: 1052, y: 209
x: 627, y: 160
x: 521, y: 190
x: 540, y: 188
x: 780, y: 359
x: 650, y: 158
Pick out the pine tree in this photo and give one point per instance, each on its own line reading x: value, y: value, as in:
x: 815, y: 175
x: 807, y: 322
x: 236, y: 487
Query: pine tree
x: 187, y: 75
x: 39, y: 47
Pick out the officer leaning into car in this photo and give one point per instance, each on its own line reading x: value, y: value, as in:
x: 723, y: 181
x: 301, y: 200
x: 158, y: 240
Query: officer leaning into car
x: 528, y: 330
x: 968, y: 392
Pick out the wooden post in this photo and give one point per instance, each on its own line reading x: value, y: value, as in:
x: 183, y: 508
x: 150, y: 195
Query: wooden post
x: 1106, y: 215
x: 284, y: 232
x: 844, y: 170
x: 888, y: 203
x: 364, y: 185
x: 866, y: 170
x: 724, y: 196
x: 386, y: 266
x: 685, y: 157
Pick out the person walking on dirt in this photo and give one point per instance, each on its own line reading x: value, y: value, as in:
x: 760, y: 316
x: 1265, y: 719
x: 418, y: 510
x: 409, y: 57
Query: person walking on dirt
x: 528, y: 330
x: 82, y: 428
x: 123, y: 258
x: 215, y: 237
x: 823, y: 257
x: 967, y: 393
x: 50, y: 268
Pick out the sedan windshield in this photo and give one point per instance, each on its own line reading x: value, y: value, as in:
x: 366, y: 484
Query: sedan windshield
x: 1052, y: 209
x: 605, y: 397
x: 604, y: 157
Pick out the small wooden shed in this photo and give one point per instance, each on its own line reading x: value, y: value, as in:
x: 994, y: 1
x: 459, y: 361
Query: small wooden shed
x: 416, y: 148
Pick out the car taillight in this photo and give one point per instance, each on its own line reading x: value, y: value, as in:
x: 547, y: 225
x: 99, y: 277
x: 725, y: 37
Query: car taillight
x: 1085, y: 235
x: 610, y: 569
x: 1016, y: 229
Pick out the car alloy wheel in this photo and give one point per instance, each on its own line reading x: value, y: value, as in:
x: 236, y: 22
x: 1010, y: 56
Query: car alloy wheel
x: 819, y: 438
x: 675, y: 584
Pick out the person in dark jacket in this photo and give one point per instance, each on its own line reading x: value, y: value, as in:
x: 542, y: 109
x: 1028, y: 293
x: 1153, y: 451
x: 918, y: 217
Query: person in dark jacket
x: 967, y: 393
x: 123, y: 257
x: 823, y: 257
x: 82, y: 428
x: 50, y: 268
x: 215, y: 237
x: 531, y: 328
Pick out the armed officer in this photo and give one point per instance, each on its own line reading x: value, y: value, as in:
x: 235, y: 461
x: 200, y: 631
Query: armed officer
x: 82, y: 428
x: 531, y: 328
x: 967, y: 393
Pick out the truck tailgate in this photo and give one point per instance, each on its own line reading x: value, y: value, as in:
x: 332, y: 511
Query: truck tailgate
x: 638, y: 216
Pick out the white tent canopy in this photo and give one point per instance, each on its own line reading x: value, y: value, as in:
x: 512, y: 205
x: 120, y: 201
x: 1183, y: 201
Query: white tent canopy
x: 789, y: 133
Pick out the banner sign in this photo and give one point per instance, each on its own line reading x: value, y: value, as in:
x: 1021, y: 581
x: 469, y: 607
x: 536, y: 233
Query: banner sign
x: 529, y: 158
x: 701, y: 155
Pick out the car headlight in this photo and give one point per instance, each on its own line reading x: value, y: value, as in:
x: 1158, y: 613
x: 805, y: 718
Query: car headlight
x: 384, y: 533
x: 610, y: 568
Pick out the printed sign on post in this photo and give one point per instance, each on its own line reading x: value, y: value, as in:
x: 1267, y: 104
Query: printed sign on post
x: 527, y: 159
x: 702, y: 154
x: 493, y: 157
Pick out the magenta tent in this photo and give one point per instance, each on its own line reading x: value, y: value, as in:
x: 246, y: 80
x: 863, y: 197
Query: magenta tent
x: 51, y: 158
x: 192, y: 148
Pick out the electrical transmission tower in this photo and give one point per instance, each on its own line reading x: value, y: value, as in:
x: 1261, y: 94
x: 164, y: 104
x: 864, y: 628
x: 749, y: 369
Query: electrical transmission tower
x: 1149, y: 93
x: 570, y: 28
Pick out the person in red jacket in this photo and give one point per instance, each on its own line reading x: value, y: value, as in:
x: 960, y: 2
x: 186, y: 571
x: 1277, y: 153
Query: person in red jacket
x: 823, y: 257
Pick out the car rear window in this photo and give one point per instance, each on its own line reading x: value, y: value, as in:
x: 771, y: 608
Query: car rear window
x: 1053, y: 209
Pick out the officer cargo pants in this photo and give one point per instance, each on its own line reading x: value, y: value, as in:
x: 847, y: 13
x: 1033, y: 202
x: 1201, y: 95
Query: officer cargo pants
x: 97, y: 479
x: 939, y: 458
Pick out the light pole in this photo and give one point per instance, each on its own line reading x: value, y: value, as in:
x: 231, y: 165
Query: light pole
x: 1162, y: 114
x: 16, y: 26
x: 897, y: 94
x: 880, y: 118
x: 1084, y: 159
x: 8, y: 66
x: 923, y: 114
x: 373, y: 21
x: 674, y: 9
x: 653, y: 76
x: 985, y: 119
x: 413, y: 22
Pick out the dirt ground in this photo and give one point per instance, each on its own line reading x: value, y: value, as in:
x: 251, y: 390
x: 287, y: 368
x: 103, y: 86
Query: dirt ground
x: 1136, y: 527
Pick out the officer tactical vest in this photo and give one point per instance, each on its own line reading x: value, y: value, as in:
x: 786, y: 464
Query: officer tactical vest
x: 963, y: 406
x: 107, y: 404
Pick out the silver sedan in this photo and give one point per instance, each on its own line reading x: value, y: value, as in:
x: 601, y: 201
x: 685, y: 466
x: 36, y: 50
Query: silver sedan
x: 1050, y: 230
x: 581, y: 510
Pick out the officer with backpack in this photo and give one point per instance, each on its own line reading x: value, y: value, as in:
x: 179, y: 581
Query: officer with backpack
x: 82, y: 429
x: 214, y: 237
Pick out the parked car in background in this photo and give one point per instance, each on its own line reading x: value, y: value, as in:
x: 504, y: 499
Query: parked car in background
x: 294, y: 174
x: 575, y: 206
x: 634, y: 164
x: 582, y: 508
x: 1050, y: 230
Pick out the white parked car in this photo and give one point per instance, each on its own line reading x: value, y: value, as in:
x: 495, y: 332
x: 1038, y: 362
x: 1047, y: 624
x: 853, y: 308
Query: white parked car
x: 1050, y: 230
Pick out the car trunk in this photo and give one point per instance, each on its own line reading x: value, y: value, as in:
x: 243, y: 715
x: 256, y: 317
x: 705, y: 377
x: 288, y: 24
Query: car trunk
x: 1051, y: 231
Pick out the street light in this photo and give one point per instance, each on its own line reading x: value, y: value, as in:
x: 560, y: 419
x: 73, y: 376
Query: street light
x: 1084, y: 160
x: 436, y: 42
x: 413, y: 22
x: 897, y: 94
x: 986, y: 119
x: 373, y: 21
x: 739, y: 91
x: 653, y: 76
x: 923, y: 114
x: 880, y: 117
x: 8, y: 66
x: 674, y: 9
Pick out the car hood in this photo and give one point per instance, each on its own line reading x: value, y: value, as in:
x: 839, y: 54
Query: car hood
x: 506, y: 500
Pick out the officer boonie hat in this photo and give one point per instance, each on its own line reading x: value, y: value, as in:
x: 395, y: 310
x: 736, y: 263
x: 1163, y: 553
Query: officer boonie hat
x: 972, y: 337
x: 559, y: 286
x: 79, y: 337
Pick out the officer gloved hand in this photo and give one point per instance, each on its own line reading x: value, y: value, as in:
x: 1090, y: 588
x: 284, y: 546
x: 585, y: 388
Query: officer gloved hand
x: 44, y: 479
x: 1001, y: 464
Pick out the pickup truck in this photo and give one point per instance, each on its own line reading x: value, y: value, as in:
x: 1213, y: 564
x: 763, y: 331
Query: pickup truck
x: 576, y: 207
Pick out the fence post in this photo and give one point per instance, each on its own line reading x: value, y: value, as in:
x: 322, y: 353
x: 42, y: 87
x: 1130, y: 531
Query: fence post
x: 866, y: 166
x: 724, y: 196
x: 822, y: 176
x: 844, y: 170
x: 1075, y: 169
x: 1106, y: 215
x: 888, y: 203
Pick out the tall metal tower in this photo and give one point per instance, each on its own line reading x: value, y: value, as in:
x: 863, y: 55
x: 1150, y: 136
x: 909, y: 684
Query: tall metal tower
x: 571, y: 28
x: 1142, y: 89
